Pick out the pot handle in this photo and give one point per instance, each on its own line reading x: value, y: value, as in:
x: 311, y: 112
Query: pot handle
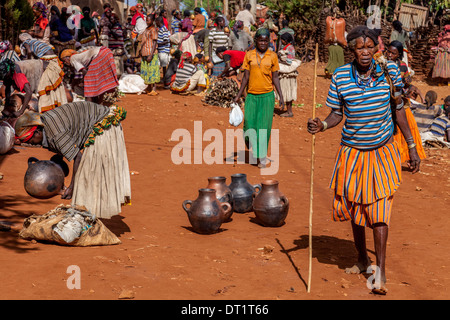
x: 228, y: 207
x: 185, y: 202
x: 255, y: 193
x: 31, y: 160
x: 285, y: 200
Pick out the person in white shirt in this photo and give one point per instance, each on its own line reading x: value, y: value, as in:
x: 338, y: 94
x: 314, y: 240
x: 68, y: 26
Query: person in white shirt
x: 246, y: 17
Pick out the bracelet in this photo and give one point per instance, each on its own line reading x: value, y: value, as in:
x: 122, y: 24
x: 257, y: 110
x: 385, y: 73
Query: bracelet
x: 410, y: 139
x: 412, y: 145
x: 325, y: 125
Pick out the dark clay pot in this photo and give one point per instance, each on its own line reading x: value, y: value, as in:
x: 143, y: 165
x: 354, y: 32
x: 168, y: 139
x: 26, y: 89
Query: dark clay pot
x: 242, y: 192
x: 223, y: 193
x: 43, y: 179
x: 206, y: 213
x: 270, y: 205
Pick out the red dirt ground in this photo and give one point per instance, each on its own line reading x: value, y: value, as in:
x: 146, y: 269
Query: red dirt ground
x: 160, y: 257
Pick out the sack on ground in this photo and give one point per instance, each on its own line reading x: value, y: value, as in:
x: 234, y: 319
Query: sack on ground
x: 236, y: 115
x: 67, y: 225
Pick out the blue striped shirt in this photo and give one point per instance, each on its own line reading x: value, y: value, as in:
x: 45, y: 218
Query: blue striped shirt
x: 440, y: 126
x: 163, y: 35
x: 39, y: 48
x: 366, y: 106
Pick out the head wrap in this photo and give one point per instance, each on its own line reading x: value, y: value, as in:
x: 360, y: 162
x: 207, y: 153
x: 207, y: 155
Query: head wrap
x: 362, y: 31
x: 6, y: 66
x: 4, y: 45
x: 237, y: 25
x: 183, y: 58
x: 262, y: 32
x: 67, y: 53
x: 27, y: 124
x: 175, y: 12
x: 139, y: 5
x: 95, y: 13
x: 42, y: 8
x: 56, y: 9
x: 25, y: 36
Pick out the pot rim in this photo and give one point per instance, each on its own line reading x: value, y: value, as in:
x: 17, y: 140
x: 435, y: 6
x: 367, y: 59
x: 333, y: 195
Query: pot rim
x: 238, y: 175
x: 270, y: 182
x: 218, y: 178
x: 207, y: 190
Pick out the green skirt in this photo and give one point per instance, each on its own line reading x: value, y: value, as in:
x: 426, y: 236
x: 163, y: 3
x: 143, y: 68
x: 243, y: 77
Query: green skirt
x: 336, y: 58
x: 258, y: 118
x: 150, y: 70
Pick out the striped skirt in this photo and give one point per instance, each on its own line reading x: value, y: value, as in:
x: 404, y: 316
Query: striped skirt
x: 102, y: 75
x: 364, y: 183
x: 258, y: 118
x: 403, y: 145
x: 51, y: 89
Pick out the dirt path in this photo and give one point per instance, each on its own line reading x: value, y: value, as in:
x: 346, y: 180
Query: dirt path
x: 162, y: 258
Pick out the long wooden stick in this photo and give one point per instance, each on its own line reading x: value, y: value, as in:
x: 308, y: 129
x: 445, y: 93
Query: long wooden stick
x: 313, y: 142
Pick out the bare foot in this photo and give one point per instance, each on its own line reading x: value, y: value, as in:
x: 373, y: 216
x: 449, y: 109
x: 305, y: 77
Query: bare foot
x: 357, y: 268
x: 286, y: 114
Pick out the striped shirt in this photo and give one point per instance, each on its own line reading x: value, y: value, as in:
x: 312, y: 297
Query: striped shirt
x: 163, y: 35
x: 440, y: 126
x: 184, y: 74
x: 39, y: 48
x: 67, y: 127
x: 218, y: 39
x: 150, y: 34
x: 425, y: 116
x: 175, y: 25
x: 366, y: 106
x: 113, y: 42
x: 11, y: 55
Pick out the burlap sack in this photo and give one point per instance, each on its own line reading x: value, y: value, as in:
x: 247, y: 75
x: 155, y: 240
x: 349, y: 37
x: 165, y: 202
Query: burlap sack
x: 41, y: 228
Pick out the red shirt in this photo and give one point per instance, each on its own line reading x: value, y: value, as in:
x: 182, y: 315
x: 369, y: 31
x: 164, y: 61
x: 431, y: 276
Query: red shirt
x: 235, y: 57
x: 20, y: 80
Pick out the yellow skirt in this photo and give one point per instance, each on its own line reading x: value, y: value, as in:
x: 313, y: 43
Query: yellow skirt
x: 364, y: 184
x: 403, y: 146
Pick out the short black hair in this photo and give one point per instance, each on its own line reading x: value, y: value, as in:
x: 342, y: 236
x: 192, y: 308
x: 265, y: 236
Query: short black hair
x: 248, y: 6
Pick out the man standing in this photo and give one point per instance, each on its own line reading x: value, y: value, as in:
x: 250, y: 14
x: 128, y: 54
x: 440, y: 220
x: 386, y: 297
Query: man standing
x: 246, y: 17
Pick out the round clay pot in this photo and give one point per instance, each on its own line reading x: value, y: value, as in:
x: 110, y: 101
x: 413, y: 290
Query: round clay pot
x: 223, y: 193
x: 206, y: 213
x: 43, y: 179
x: 242, y: 192
x: 270, y: 205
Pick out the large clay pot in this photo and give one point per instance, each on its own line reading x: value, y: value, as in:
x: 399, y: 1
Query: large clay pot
x: 206, y: 213
x: 43, y: 179
x: 223, y: 193
x: 242, y: 192
x: 270, y: 205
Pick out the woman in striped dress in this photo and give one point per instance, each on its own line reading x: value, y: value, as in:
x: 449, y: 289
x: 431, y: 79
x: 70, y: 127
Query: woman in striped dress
x: 368, y: 167
x: 188, y: 77
x: 51, y: 91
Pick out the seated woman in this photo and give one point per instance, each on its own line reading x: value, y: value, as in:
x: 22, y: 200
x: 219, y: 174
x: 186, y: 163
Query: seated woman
x: 424, y: 114
x: 188, y: 77
x: 169, y: 76
x: 439, y: 132
x: 98, y: 68
x: 7, y: 51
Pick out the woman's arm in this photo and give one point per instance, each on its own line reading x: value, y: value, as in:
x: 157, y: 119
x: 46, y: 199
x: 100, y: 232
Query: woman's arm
x: 316, y: 125
x: 26, y: 100
x: 402, y: 122
x: 276, y: 83
x: 243, y: 85
x: 76, y: 163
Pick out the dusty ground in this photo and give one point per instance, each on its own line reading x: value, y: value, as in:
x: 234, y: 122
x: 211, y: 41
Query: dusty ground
x: 162, y: 258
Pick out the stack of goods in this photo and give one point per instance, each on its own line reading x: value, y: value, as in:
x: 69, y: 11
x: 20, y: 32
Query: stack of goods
x: 222, y: 93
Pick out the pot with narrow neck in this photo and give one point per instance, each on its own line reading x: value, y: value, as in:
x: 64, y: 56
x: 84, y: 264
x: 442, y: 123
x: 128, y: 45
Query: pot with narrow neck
x: 242, y: 192
x: 270, y: 204
x: 223, y: 193
x: 206, y: 214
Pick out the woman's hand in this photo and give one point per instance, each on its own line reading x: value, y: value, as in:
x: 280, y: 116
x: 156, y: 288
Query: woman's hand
x: 67, y: 192
x: 414, y: 162
x: 314, y: 125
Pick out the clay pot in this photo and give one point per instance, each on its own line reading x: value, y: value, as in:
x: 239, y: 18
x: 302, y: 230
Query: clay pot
x: 43, y: 179
x: 270, y: 205
x: 223, y: 193
x: 206, y: 213
x: 242, y: 192
x: 210, y: 65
